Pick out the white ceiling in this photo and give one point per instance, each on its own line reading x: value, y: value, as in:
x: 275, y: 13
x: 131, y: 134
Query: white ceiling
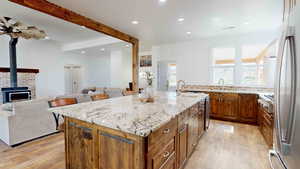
x: 158, y: 21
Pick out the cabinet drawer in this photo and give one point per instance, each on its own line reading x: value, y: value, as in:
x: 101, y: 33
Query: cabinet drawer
x: 164, y: 155
x: 170, y: 164
x: 166, y: 132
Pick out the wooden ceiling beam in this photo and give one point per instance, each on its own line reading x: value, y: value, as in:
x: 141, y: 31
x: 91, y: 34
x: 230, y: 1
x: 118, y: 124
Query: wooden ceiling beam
x: 70, y: 16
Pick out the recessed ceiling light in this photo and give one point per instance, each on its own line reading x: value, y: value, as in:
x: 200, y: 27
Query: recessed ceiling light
x: 102, y: 49
x: 188, y: 33
x: 180, y: 19
x: 83, y: 27
x: 135, y: 22
x: 162, y: 1
x: 246, y: 23
x: 47, y: 37
x: 83, y: 52
x: 127, y: 45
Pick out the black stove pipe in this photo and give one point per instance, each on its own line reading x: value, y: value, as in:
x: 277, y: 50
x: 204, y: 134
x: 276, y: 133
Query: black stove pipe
x: 13, y: 62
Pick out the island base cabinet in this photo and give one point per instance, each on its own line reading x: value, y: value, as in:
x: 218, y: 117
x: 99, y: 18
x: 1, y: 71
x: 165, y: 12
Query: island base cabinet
x: 182, y: 150
x: 91, y: 146
x: 115, y: 152
x: 79, y: 146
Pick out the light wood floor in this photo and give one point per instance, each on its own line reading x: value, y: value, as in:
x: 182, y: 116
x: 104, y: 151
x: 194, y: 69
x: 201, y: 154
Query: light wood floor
x: 225, y: 146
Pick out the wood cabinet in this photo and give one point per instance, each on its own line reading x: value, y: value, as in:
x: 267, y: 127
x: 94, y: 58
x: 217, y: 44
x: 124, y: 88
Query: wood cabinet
x: 79, y: 146
x: 266, y: 124
x: 234, y: 107
x: 228, y: 106
x: 90, y: 146
x: 162, y: 146
x: 201, y: 119
x: 183, y: 128
x: 248, y: 108
x: 115, y: 152
x: 224, y: 106
x: 193, y: 132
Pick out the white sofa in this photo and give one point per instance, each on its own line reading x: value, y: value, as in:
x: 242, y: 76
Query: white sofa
x: 26, y: 121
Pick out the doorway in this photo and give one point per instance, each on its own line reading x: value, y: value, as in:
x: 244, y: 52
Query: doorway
x: 167, y: 76
x: 73, y: 79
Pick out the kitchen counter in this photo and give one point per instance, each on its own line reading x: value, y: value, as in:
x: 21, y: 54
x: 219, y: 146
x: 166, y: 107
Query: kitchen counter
x: 124, y: 133
x: 128, y: 114
x: 227, y: 91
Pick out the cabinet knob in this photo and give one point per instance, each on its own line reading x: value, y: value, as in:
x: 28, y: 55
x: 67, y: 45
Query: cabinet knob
x: 166, y: 154
x: 166, y: 131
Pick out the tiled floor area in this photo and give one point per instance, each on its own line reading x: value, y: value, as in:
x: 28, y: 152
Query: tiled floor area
x: 225, y: 146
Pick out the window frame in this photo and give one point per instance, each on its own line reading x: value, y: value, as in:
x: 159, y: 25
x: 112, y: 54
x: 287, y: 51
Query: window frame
x: 238, y: 64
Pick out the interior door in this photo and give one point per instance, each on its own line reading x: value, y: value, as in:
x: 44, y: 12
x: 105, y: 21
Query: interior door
x: 73, y: 79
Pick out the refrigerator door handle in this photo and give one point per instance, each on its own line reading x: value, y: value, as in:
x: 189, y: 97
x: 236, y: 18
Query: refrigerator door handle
x: 289, y: 131
x: 272, y: 155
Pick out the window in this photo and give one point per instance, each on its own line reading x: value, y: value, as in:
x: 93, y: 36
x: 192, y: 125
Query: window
x: 223, y: 65
x: 242, y: 65
x: 172, y: 75
x: 252, y: 64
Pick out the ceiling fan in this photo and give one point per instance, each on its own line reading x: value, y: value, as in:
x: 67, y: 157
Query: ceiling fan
x: 16, y: 29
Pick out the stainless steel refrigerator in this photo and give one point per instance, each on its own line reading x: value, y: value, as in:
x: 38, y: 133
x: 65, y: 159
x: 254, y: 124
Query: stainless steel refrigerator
x: 286, y: 151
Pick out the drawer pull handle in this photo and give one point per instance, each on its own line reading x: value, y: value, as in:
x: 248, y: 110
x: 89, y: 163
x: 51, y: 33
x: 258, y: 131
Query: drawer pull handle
x: 166, y: 131
x: 166, y: 154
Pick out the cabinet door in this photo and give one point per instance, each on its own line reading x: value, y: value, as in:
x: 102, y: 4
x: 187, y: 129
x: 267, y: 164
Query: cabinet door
x: 201, y: 122
x: 229, y: 106
x: 248, y: 108
x: 80, y: 146
x: 193, y: 133
x: 115, y: 152
x: 183, y: 145
x: 214, y: 105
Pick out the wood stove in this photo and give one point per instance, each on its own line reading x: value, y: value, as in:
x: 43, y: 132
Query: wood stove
x: 15, y: 94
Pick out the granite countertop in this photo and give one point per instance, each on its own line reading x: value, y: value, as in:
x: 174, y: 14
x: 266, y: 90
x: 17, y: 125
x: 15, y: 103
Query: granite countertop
x: 129, y: 115
x: 227, y: 91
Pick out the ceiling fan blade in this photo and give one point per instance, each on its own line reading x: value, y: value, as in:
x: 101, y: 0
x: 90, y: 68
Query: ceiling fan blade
x: 19, y: 26
x: 5, y: 20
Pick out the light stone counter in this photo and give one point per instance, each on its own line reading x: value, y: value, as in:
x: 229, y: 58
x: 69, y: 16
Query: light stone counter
x: 129, y: 115
x: 228, y: 91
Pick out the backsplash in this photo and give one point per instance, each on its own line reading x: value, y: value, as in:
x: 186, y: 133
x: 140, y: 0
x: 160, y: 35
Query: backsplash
x: 24, y: 80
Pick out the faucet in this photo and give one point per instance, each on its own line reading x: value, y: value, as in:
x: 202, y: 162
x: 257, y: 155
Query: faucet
x: 178, y: 86
x: 221, y: 82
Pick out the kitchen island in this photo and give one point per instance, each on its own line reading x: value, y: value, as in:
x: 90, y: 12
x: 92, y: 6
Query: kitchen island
x: 124, y: 133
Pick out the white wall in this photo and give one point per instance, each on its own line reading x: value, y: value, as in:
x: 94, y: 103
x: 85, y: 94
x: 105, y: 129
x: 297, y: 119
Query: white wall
x: 98, y: 73
x: 120, y: 69
x: 193, y: 58
x: 43, y: 55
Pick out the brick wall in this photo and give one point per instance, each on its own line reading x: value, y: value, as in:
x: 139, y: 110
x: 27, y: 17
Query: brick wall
x: 24, y: 80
